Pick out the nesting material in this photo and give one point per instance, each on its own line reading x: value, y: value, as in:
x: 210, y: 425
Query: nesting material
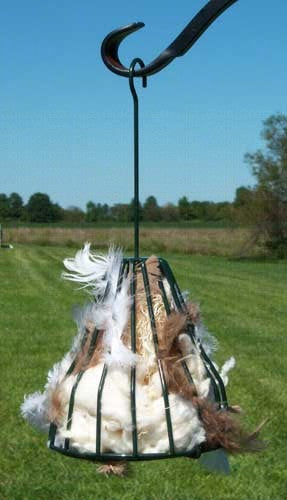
x: 104, y: 343
x: 119, y: 469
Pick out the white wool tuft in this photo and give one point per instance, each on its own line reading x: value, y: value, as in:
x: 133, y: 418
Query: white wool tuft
x: 116, y: 415
x: 34, y: 410
x: 35, y: 407
x: 208, y: 342
x: 120, y: 355
x: 228, y: 365
x: 117, y: 309
x: 92, y: 270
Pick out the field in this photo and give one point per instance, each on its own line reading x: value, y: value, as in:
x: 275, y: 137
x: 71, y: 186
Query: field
x: 180, y: 238
x: 244, y: 303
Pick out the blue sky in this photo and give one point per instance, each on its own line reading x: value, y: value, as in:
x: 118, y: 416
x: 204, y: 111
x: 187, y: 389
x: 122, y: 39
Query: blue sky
x: 66, y: 121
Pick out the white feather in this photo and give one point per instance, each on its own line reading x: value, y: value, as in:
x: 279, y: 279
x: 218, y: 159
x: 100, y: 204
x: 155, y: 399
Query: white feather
x: 92, y: 270
x: 228, y: 365
x: 34, y: 410
x: 35, y: 407
x: 208, y: 342
x: 58, y: 372
x: 111, y: 312
x: 82, y: 315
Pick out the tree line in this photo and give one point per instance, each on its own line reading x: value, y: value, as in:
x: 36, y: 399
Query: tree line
x: 41, y: 209
x: 263, y: 206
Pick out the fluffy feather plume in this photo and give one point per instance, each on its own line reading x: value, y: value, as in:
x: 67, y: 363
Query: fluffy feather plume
x: 34, y: 410
x: 110, y: 311
x: 224, y: 431
x: 36, y: 407
x: 92, y: 270
x: 117, y: 311
x: 228, y: 365
x: 208, y: 342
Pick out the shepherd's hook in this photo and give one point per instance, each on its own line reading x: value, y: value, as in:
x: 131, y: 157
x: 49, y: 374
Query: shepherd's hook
x: 182, y: 43
x: 136, y: 148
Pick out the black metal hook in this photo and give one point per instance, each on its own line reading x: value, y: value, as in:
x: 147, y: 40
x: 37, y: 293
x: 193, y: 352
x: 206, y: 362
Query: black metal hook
x: 178, y: 47
x: 131, y: 76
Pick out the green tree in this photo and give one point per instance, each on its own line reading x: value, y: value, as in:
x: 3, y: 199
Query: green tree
x: 184, y: 208
x: 74, y: 214
x: 15, y: 206
x: 224, y: 211
x: 270, y: 200
x: 243, y: 197
x: 131, y: 211
x: 4, y: 206
x: 91, y: 212
x: 120, y: 212
x: 151, y: 210
x: 40, y: 209
x: 169, y: 213
x: 97, y: 212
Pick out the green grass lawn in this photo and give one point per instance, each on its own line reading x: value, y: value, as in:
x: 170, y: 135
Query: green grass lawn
x: 244, y: 303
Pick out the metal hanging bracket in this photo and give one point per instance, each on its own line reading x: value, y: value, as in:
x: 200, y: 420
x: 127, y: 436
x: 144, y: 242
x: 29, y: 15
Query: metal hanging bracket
x: 182, y: 43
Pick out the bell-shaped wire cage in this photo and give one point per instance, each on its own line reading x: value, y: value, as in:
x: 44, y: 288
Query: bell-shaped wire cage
x: 173, y: 301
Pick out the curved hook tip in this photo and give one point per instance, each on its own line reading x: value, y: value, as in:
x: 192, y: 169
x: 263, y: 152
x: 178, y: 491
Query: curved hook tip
x: 111, y: 43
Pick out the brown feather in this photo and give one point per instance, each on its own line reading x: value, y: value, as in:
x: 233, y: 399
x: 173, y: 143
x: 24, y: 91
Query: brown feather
x: 154, y: 275
x: 82, y: 360
x: 56, y: 411
x: 222, y: 429
x: 171, y: 355
x: 119, y: 469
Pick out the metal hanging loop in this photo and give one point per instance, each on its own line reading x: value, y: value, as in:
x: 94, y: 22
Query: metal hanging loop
x: 182, y: 43
x: 136, y: 148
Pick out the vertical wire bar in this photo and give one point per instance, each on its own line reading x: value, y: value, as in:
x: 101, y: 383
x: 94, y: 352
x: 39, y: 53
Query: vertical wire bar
x: 168, y: 311
x: 99, y: 409
x: 92, y: 346
x: 71, y: 407
x: 188, y: 374
x: 52, y: 434
x: 133, y: 368
x: 53, y: 427
x: 124, y: 264
x: 136, y: 150
x: 218, y: 385
x: 176, y: 295
x: 74, y: 388
x: 136, y: 177
x: 105, y: 368
x: 164, y: 297
x: 160, y: 369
